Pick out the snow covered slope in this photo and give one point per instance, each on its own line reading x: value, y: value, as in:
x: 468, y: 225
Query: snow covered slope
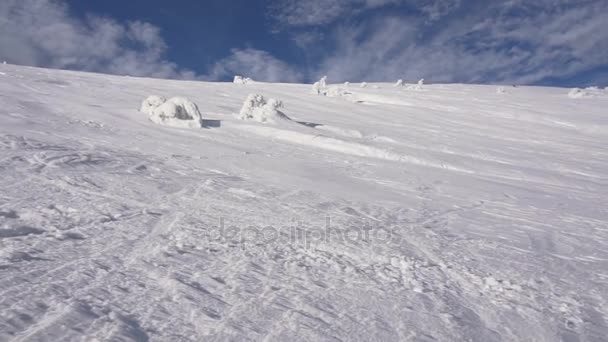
x: 432, y: 213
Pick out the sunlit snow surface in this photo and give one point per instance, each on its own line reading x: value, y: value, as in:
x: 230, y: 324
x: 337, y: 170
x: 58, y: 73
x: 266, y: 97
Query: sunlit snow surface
x: 432, y: 213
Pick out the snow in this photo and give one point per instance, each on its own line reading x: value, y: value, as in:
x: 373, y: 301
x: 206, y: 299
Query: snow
x: 446, y: 214
x: 399, y: 83
x: 257, y: 108
x: 175, y: 112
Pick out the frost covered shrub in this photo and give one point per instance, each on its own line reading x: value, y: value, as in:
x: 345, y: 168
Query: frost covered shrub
x: 241, y: 80
x: 336, y: 92
x: 258, y: 108
x: 577, y: 93
x: 320, y: 87
x: 150, y: 103
x: 176, y: 112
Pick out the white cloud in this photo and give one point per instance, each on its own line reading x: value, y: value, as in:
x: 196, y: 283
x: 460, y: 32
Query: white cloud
x: 320, y: 12
x: 42, y: 33
x: 448, y: 40
x: 256, y: 64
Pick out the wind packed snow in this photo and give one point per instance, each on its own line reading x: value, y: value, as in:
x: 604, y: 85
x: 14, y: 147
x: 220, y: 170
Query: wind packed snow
x: 448, y: 214
x: 176, y: 112
x: 257, y: 108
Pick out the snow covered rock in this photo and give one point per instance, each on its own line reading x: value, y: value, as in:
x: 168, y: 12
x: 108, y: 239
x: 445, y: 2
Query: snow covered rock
x: 399, y: 83
x: 241, y: 80
x: 258, y: 108
x: 176, y: 112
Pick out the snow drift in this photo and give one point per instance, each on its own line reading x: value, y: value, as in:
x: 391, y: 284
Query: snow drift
x: 258, y: 108
x: 176, y: 112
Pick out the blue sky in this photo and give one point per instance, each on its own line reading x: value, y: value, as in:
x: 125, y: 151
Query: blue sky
x: 549, y: 42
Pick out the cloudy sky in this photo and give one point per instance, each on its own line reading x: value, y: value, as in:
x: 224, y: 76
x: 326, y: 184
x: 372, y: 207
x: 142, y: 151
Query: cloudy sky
x: 549, y: 42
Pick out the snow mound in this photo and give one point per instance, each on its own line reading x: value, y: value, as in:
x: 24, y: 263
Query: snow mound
x: 320, y: 87
x: 399, y: 83
x: 257, y: 108
x: 175, y: 112
x: 578, y: 93
x: 363, y: 85
x: 241, y: 80
x: 500, y: 90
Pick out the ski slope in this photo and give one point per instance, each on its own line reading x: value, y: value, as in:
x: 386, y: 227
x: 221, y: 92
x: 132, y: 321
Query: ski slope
x: 444, y: 213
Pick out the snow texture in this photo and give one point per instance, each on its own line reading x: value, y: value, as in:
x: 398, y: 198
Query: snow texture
x: 257, y: 108
x: 448, y: 214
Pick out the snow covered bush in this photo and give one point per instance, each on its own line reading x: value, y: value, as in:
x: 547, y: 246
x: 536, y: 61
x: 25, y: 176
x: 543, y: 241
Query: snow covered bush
x: 241, y: 80
x: 337, y: 91
x: 577, y: 93
x: 399, y: 83
x: 320, y: 87
x: 176, y: 112
x: 150, y: 103
x: 258, y: 108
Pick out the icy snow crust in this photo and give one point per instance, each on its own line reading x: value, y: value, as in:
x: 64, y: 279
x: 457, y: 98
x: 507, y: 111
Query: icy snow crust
x: 450, y: 213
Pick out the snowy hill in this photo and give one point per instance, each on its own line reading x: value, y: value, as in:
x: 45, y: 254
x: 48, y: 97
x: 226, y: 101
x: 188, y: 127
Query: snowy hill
x: 408, y: 213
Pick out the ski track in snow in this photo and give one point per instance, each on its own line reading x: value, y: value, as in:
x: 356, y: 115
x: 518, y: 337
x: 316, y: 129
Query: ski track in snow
x: 491, y: 206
